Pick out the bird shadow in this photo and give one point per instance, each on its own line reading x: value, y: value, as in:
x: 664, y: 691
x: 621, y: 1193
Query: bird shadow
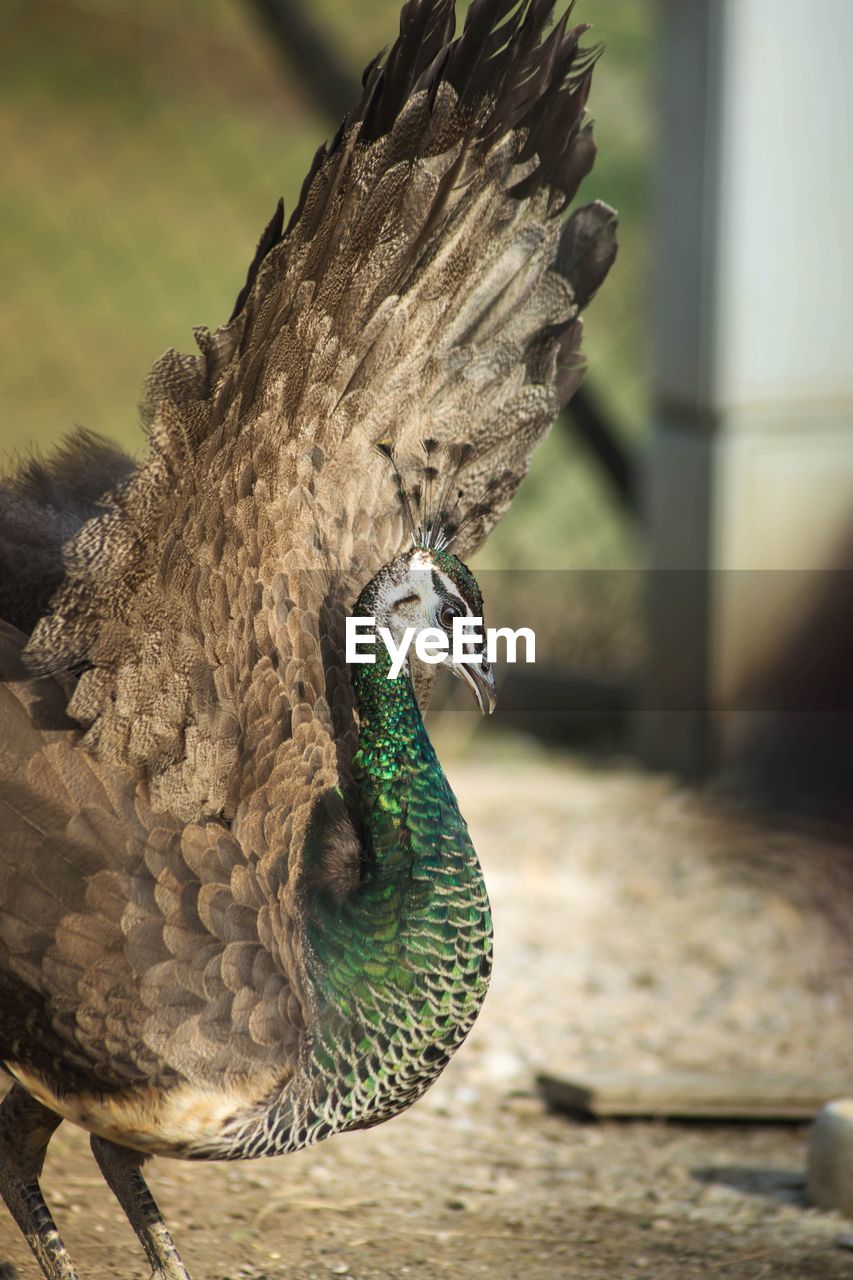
x: 785, y: 1186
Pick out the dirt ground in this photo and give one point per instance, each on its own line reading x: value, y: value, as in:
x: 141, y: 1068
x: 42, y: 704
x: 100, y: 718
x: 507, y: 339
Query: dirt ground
x: 638, y: 927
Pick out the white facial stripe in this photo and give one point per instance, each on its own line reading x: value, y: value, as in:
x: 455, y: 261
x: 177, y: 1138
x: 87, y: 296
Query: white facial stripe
x: 450, y: 588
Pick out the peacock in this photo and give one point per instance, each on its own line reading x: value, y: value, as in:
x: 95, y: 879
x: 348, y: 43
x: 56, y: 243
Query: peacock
x: 240, y: 910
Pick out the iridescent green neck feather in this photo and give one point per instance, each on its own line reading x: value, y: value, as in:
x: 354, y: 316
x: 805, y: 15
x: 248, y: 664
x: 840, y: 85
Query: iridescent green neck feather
x: 403, y: 963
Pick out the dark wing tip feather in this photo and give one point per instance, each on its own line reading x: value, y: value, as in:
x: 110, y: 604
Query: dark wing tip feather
x: 588, y: 247
x: 533, y: 78
x: 505, y: 55
x: 270, y: 236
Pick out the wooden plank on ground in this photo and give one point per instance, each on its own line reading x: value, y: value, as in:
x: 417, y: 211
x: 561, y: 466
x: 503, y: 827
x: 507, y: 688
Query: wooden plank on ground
x: 694, y: 1096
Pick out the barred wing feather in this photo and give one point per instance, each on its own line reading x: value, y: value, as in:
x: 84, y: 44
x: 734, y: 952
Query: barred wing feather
x: 424, y: 287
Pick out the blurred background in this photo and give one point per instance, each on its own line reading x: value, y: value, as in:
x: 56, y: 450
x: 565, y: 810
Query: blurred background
x: 145, y: 144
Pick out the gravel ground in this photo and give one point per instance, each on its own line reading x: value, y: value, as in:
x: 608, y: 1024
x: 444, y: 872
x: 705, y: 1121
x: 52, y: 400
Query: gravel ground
x: 638, y: 927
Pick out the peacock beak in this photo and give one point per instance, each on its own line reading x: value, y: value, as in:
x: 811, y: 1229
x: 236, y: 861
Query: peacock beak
x: 480, y: 679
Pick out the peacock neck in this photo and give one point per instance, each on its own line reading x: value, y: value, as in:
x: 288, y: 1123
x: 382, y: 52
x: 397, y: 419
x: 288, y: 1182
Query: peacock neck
x: 407, y: 808
x: 417, y: 844
x: 404, y: 961
x: 395, y: 761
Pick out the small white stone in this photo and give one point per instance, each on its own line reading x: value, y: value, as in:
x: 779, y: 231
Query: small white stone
x: 830, y: 1163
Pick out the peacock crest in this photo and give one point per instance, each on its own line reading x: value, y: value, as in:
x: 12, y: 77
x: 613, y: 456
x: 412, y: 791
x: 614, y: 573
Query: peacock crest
x: 430, y: 502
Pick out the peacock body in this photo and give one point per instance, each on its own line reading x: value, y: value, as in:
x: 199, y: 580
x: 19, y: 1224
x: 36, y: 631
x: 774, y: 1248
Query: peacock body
x: 239, y: 907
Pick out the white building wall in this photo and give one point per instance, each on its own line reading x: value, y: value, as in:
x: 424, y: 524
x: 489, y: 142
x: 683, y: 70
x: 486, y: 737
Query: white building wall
x: 751, y: 466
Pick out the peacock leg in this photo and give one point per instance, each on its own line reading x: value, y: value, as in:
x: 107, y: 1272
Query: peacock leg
x: 26, y: 1128
x: 122, y: 1169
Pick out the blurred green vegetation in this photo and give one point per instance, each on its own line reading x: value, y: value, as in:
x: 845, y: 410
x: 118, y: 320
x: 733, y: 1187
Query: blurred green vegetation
x: 145, y: 143
x: 145, y: 146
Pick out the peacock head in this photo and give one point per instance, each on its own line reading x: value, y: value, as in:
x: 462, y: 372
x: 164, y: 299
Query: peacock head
x: 429, y: 588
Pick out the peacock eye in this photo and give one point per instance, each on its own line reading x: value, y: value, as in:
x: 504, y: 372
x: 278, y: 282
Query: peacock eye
x: 448, y: 612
